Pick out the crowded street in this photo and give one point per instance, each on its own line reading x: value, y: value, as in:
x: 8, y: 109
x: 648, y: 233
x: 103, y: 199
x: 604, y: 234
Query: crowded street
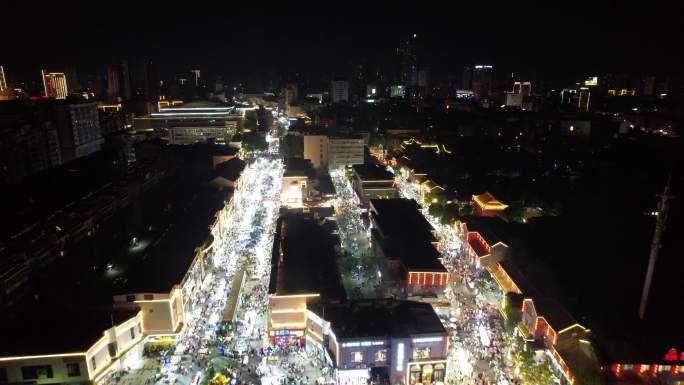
x: 480, y: 349
x: 202, y: 348
x: 361, y: 271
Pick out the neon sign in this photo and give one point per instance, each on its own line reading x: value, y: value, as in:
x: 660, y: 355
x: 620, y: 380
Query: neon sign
x: 673, y: 356
x: 400, y: 357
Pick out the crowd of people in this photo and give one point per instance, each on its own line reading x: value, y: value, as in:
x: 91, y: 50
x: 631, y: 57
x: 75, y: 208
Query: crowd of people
x: 479, y: 348
x: 357, y: 262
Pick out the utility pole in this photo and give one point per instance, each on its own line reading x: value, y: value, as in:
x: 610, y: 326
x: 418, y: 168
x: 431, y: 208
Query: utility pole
x: 663, y: 208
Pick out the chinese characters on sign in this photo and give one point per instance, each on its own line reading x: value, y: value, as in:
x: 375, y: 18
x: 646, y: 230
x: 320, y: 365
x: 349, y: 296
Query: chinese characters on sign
x: 673, y: 356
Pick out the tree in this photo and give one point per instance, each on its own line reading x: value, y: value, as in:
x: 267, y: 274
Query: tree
x: 281, y: 130
x: 253, y: 141
x: 533, y: 372
x: 434, y: 196
x: 589, y: 374
x: 250, y: 122
x: 513, y: 313
x: 292, y: 146
x: 436, y: 210
x: 466, y: 210
x: 515, y: 212
x: 264, y: 118
x: 451, y: 213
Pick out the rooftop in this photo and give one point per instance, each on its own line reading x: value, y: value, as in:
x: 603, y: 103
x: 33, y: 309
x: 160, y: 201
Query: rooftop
x: 298, y: 167
x: 404, y: 233
x: 487, y: 200
x: 171, y: 219
x: 230, y: 169
x: 495, y: 229
x: 304, y: 257
x: 69, y: 329
x: 372, y: 172
x: 167, y: 262
x: 383, y: 318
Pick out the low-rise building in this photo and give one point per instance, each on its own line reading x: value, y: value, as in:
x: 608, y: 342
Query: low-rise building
x: 373, y: 182
x: 405, y: 239
x: 195, y: 122
x: 100, y: 322
x: 488, y: 206
x: 227, y: 174
x: 303, y: 272
x: 389, y: 341
x: 480, y: 241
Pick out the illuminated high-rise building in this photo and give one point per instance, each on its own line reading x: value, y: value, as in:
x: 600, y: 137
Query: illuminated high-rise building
x: 3, y: 81
x: 584, y: 98
x: 339, y: 91
x: 196, y: 77
x: 408, y: 61
x: 482, y: 81
x: 54, y: 84
x: 524, y: 88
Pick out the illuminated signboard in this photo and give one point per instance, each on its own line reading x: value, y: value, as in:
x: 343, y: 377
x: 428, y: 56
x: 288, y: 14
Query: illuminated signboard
x: 362, y: 343
x: 592, y: 81
x: 400, y: 357
x: 285, y: 333
x: 673, y: 356
x: 427, y: 339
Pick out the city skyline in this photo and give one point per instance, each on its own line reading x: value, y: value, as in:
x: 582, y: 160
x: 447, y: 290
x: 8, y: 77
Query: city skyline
x: 234, y: 41
x: 341, y: 194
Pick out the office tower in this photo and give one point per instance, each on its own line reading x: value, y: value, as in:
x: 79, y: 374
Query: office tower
x: 290, y: 94
x: 144, y: 79
x: 5, y: 93
x: 3, y: 81
x: 196, y: 77
x: 78, y: 125
x: 408, y: 61
x: 28, y: 139
x: 72, y: 79
x: 519, y: 94
x: 398, y: 91
x: 482, y: 81
x: 113, y: 93
x: 54, y: 84
x: 372, y: 90
x: 151, y: 80
x: 584, y: 97
x: 125, y: 81
x: 523, y: 88
x: 339, y: 91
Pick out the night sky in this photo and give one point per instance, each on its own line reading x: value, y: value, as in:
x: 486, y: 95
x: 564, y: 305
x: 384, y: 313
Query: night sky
x: 567, y: 40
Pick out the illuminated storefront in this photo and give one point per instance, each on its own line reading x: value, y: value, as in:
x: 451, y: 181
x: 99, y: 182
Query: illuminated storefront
x: 352, y: 377
x: 426, y: 372
x: 406, y: 357
x: 285, y: 337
